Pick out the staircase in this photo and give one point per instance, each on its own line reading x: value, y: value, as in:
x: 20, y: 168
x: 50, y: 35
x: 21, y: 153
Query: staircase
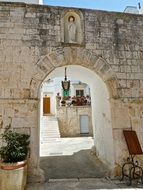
x: 49, y: 129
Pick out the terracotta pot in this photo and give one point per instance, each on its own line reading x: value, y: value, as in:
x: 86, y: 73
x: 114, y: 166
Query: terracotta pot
x: 13, y: 176
x: 12, y: 166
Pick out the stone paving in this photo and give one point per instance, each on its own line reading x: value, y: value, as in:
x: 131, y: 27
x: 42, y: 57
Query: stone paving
x: 65, y: 170
x: 79, y: 165
x: 83, y: 184
x: 65, y: 146
x: 71, y: 158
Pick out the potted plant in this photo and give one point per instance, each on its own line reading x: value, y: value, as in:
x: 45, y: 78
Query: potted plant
x: 13, y: 165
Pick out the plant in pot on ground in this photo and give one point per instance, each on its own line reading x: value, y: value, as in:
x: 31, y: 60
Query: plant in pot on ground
x: 13, y: 160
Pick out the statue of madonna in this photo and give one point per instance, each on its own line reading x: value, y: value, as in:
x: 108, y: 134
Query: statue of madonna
x: 71, y: 30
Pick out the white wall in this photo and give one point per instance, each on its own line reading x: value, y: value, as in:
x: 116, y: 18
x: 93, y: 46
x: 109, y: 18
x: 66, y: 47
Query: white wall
x: 50, y: 89
x: 102, y: 121
x: 77, y: 86
x: 101, y: 116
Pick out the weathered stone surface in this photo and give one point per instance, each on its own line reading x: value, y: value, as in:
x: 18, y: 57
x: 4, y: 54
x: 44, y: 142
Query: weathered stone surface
x: 69, y: 120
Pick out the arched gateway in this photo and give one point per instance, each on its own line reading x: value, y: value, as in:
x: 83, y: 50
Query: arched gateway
x: 74, y: 56
x: 35, y: 41
x: 87, y: 59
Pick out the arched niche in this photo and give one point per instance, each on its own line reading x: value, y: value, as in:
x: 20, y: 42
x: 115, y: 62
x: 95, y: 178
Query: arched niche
x: 66, y: 26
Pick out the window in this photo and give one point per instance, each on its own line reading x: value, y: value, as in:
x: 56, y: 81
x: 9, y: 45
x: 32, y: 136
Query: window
x: 79, y: 93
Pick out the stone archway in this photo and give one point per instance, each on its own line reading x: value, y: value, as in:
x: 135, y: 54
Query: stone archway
x: 74, y: 56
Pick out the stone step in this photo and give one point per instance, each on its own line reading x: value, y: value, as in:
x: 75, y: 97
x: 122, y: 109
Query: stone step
x: 49, y: 129
x: 52, y: 136
x: 50, y: 140
x: 46, y: 131
x: 49, y: 119
x: 49, y: 133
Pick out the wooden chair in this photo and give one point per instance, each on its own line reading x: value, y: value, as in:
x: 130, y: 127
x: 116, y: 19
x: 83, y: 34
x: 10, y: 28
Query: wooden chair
x: 131, y: 168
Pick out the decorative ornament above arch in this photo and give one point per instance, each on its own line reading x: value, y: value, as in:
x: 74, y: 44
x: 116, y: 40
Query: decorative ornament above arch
x: 63, y: 56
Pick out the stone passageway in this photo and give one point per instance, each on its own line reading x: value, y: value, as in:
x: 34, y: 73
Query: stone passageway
x: 64, y: 158
x: 83, y: 184
x: 82, y: 164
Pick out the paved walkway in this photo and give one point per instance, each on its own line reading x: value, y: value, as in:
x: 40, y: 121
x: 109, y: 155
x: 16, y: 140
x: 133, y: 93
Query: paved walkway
x: 70, y: 164
x: 83, y: 184
x: 71, y: 158
x: 79, y: 165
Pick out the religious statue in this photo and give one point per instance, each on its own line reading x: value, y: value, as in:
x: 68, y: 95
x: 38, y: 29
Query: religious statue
x: 71, y: 30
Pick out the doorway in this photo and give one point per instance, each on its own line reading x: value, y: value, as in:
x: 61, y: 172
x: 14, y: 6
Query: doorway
x: 46, y: 105
x: 84, y: 124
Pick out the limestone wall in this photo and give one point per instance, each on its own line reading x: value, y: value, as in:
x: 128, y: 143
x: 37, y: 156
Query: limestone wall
x: 31, y: 46
x: 69, y: 120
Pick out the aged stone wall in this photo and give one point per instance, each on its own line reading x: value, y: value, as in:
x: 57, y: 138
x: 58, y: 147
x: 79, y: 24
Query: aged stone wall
x: 31, y: 47
x: 69, y: 120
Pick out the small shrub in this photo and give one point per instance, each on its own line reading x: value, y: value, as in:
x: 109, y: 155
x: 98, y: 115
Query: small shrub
x: 16, y: 147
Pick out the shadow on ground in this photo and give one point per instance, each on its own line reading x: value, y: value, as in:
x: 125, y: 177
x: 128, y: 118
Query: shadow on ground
x: 81, y: 171
x: 82, y: 164
x: 83, y: 184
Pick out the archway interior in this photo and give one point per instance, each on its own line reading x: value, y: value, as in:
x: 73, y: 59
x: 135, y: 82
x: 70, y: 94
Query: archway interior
x: 101, y: 115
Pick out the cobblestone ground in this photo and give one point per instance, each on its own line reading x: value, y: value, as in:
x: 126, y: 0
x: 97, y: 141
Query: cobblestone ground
x: 83, y: 184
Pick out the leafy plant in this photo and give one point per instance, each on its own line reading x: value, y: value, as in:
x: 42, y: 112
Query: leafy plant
x: 16, y: 147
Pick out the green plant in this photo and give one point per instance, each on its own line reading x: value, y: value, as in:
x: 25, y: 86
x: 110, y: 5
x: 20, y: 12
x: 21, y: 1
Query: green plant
x: 16, y: 146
